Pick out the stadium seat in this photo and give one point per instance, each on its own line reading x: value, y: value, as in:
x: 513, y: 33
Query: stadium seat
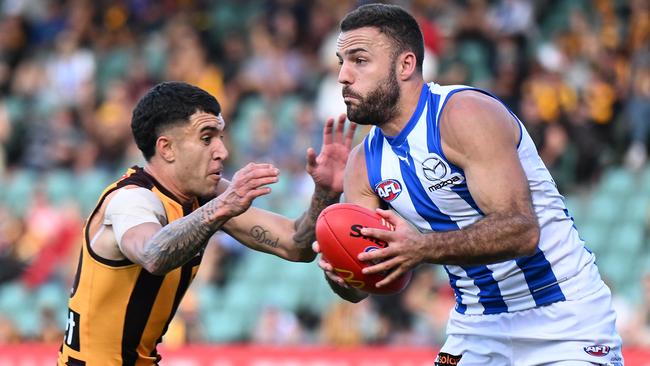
x: 210, y: 297
x: 59, y: 186
x: 13, y: 297
x: 595, y: 235
x: 604, y: 208
x: 89, y: 186
x: 637, y: 209
x: 617, y: 182
x: 18, y: 191
x: 615, y: 271
x: 626, y: 240
x: 223, y: 326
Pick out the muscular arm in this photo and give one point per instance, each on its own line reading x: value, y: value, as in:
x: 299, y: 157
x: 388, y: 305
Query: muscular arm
x: 480, y: 136
x: 175, y: 244
x: 496, y: 180
x: 160, y: 249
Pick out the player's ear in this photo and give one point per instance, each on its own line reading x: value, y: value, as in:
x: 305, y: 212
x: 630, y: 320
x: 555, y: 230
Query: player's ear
x: 164, y: 148
x: 406, y: 65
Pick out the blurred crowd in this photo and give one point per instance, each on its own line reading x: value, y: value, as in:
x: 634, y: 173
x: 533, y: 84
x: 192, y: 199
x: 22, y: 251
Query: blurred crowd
x: 577, y: 72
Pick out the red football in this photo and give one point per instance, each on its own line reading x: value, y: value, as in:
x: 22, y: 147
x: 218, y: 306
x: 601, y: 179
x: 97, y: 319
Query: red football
x: 338, y: 231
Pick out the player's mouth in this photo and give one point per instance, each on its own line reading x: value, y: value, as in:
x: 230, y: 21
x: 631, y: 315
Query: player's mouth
x: 348, y: 96
x: 216, y: 175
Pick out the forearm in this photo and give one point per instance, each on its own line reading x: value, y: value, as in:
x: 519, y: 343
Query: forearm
x: 495, y: 238
x: 175, y: 244
x: 305, y: 233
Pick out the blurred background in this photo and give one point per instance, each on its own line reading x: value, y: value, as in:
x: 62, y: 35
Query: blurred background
x: 577, y: 72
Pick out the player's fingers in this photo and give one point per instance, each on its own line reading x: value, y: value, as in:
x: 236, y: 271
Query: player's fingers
x: 389, y: 216
x: 325, y: 265
x: 339, y: 281
x: 381, y: 234
x: 251, y: 195
x: 340, y: 126
x: 376, y: 255
x: 315, y: 247
x: 349, y: 136
x: 256, y: 171
x: 391, y: 277
x: 256, y: 183
x: 381, y: 267
x: 255, y: 166
x: 311, y: 158
x: 327, y: 131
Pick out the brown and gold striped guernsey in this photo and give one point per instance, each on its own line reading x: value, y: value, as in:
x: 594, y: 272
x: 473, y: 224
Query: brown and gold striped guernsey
x: 118, y: 312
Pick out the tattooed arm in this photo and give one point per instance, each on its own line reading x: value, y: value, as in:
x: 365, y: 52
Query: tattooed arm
x: 160, y: 249
x: 272, y: 233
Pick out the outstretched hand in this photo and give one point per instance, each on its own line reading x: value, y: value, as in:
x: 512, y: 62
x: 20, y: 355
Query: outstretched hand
x: 328, y: 167
x: 247, y: 184
x: 406, y: 248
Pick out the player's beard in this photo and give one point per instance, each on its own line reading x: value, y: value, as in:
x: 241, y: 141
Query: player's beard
x: 379, y: 106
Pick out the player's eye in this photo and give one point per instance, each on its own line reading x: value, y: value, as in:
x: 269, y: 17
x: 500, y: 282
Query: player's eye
x: 359, y: 60
x: 206, y: 139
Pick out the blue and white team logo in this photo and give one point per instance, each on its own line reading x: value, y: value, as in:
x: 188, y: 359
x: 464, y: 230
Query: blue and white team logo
x: 388, y: 189
x: 436, y: 170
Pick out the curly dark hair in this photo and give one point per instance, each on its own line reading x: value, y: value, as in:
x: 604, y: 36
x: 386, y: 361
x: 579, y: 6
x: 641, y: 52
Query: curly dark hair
x: 394, y: 22
x: 167, y: 104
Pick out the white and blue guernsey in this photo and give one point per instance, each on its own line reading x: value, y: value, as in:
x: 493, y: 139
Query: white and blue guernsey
x: 412, y: 175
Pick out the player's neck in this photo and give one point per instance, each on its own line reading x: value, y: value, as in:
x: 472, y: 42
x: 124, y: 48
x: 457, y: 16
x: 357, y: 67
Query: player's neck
x: 407, y: 104
x: 166, y: 179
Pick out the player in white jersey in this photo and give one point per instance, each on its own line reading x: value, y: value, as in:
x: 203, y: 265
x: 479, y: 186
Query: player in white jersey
x: 468, y: 191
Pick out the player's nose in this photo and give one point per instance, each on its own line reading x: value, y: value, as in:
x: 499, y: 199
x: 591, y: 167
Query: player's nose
x: 220, y: 152
x: 345, y: 75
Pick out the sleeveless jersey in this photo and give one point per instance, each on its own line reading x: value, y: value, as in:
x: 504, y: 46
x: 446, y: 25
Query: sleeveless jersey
x: 411, y: 174
x: 118, y: 312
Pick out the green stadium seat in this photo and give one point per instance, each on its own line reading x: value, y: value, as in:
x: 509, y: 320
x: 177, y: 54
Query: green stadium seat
x: 59, y: 186
x: 637, y: 209
x: 604, y: 208
x: 89, y: 186
x: 245, y: 296
x: 595, y: 235
x: 224, y: 326
x: 19, y: 190
x: 644, y: 179
x: 282, y: 295
x: 618, y: 182
x: 614, y: 271
x: 210, y: 297
x: 626, y: 240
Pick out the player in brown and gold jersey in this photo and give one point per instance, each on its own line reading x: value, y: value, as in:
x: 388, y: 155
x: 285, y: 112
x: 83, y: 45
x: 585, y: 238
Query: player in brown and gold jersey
x: 144, y: 241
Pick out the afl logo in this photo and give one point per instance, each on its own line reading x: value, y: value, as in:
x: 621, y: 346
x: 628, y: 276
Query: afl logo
x: 388, y: 189
x: 597, y: 350
x: 434, y: 168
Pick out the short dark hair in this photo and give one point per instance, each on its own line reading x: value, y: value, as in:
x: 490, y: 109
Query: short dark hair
x: 394, y: 22
x: 164, y: 105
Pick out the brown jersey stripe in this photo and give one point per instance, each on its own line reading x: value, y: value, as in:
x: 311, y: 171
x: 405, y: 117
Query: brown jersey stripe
x: 137, y: 314
x: 77, y: 275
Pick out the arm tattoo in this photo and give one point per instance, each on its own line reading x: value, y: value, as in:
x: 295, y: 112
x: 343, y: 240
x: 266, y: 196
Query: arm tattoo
x: 175, y: 244
x: 263, y: 236
x: 305, y: 224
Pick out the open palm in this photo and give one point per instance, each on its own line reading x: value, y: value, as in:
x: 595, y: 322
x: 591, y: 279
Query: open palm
x: 328, y: 167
